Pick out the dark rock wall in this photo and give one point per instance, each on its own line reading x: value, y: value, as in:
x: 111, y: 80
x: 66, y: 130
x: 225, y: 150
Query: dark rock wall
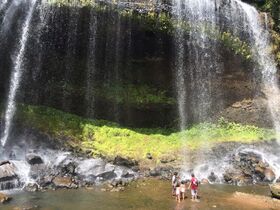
x: 75, y: 54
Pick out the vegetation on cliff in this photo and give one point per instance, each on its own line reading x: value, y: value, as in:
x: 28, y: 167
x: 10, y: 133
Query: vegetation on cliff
x: 109, y: 139
x: 272, y: 7
x: 133, y: 94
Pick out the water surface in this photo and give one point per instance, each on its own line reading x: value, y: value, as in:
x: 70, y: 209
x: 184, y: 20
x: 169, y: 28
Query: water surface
x: 148, y: 195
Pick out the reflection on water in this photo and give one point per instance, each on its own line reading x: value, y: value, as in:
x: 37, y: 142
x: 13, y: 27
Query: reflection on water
x: 143, y: 195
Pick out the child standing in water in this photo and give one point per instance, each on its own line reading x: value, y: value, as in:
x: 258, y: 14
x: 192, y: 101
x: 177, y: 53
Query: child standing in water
x: 174, y: 183
x: 194, y: 186
x: 183, y: 189
x: 178, y: 193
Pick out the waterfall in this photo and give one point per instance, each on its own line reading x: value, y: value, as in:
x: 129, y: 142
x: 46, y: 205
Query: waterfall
x: 16, y: 74
x: 71, y: 53
x: 265, y: 60
x: 116, y: 67
x: 9, y: 15
x: 196, y: 59
x: 195, y: 69
x: 179, y: 66
x: 89, y: 96
x: 3, y: 4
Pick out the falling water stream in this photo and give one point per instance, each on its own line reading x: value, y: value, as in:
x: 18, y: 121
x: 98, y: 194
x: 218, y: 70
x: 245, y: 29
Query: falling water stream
x: 265, y: 60
x: 16, y: 74
x: 89, y: 96
x: 3, y: 4
x: 203, y: 18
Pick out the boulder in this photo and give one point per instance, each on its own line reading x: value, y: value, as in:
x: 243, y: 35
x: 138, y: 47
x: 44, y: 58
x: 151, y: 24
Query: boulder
x: 269, y: 174
x: 91, y: 167
x: 212, y: 177
x: 31, y: 187
x: 127, y: 175
x: 45, y: 181
x: 33, y: 159
x: 252, y: 167
x: 155, y: 172
x: 7, y: 172
x: 5, y: 162
x: 38, y: 171
x: 127, y: 162
x: 149, y: 156
x: 232, y: 177
x: 64, y: 182
x: 135, y: 168
x: 107, y: 175
x: 69, y: 168
x: 4, y: 198
x: 167, y: 159
x: 204, y: 181
x: 275, y: 190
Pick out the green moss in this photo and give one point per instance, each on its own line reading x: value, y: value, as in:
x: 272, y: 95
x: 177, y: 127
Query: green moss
x: 236, y: 45
x: 273, y: 8
x: 276, y: 46
x: 162, y: 22
x: 76, y: 3
x: 109, y: 139
x: 137, y: 95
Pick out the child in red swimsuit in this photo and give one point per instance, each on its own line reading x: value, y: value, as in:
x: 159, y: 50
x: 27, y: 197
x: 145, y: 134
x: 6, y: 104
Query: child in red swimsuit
x: 194, y: 186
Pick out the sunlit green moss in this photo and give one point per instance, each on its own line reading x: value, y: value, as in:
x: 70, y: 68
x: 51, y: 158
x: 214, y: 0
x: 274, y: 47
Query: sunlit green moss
x: 110, y: 139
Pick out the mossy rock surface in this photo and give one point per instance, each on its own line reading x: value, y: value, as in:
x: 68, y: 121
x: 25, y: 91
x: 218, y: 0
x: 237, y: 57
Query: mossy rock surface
x: 108, y: 139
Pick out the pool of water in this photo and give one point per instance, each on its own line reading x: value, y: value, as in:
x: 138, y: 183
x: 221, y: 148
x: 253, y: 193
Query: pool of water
x: 148, y: 195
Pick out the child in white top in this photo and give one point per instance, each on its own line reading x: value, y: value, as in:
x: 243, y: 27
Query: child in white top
x: 178, y: 193
x: 183, y: 189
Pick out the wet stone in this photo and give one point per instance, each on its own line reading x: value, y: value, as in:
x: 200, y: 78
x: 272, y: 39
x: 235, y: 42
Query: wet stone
x: 127, y: 162
x: 33, y: 159
x: 31, y: 187
x: 7, y: 172
x: 64, y: 182
x: 4, y: 198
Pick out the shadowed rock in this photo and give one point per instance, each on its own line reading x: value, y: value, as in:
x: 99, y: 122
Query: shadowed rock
x: 120, y: 161
x: 33, y: 159
x: 64, y: 182
x: 4, y: 198
x: 275, y: 190
x: 7, y: 172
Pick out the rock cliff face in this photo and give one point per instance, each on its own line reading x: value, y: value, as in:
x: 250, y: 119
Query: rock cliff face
x: 120, y: 60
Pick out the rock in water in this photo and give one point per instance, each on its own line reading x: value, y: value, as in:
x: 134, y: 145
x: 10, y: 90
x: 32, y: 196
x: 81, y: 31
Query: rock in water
x: 8, y: 176
x: 269, y: 175
x: 64, y: 182
x: 275, y: 190
x: 120, y: 161
x: 31, y: 187
x: 204, y: 181
x: 7, y: 172
x: 33, y: 159
x: 4, y: 198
